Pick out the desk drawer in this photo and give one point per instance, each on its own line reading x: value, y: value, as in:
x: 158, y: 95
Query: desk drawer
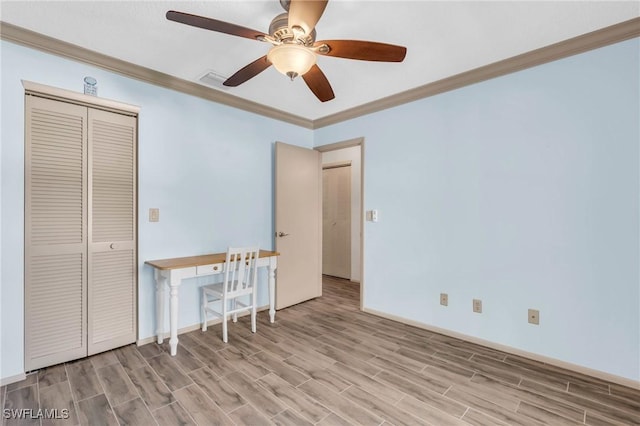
x: 209, y: 269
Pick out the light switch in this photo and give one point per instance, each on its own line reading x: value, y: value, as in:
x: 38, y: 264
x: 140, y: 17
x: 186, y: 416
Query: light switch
x: 154, y: 215
x: 372, y: 215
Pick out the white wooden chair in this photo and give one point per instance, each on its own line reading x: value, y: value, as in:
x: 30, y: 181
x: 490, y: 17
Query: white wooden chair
x: 236, y: 293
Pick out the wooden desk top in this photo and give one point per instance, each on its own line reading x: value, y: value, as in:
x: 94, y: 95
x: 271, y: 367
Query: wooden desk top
x: 205, y: 259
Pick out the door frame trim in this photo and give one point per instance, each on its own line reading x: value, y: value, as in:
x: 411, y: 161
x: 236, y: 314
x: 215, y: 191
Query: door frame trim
x: 78, y: 98
x: 336, y: 165
x: 349, y: 143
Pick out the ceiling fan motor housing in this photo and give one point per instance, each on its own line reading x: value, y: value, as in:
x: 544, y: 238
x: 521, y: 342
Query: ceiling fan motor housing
x: 279, y: 29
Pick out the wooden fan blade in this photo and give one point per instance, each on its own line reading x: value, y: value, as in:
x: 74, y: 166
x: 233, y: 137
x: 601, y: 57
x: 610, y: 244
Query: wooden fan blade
x: 306, y: 13
x: 363, y: 50
x: 318, y: 83
x: 214, y: 25
x: 248, y: 72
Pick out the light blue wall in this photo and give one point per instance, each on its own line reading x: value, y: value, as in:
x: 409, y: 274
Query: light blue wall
x: 522, y: 191
x: 209, y: 168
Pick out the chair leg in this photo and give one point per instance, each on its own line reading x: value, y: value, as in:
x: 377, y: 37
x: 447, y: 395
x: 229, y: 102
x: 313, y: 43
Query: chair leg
x: 224, y: 329
x: 253, y: 310
x: 203, y: 308
x: 253, y: 319
x: 224, y: 321
x: 235, y: 314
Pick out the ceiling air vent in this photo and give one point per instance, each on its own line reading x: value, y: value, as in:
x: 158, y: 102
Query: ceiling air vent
x: 213, y: 79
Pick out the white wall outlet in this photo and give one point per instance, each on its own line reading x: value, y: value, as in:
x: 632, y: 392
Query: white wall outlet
x: 534, y: 316
x: 444, y: 299
x: 154, y: 215
x: 477, y: 306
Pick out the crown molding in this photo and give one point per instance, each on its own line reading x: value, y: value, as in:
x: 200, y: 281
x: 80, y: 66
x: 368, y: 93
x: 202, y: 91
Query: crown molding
x: 593, y: 40
x: 22, y: 36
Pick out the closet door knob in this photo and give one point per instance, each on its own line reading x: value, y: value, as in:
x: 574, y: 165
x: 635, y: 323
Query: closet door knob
x: 112, y: 246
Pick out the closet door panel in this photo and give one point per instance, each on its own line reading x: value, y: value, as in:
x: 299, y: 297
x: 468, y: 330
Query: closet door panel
x: 112, y: 230
x: 113, y: 292
x: 55, y: 232
x: 56, y: 326
x: 336, y: 222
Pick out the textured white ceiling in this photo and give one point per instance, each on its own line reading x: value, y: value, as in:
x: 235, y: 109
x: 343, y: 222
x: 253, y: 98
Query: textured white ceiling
x: 443, y: 38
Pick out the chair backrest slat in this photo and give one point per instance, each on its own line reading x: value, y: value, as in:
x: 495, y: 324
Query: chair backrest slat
x: 240, y: 270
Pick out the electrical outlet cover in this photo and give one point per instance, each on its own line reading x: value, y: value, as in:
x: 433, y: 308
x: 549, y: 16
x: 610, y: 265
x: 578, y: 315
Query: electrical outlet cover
x: 444, y: 299
x: 477, y: 306
x: 534, y: 316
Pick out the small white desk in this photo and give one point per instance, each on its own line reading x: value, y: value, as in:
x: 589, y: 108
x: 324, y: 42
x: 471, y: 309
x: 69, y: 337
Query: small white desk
x: 171, y: 272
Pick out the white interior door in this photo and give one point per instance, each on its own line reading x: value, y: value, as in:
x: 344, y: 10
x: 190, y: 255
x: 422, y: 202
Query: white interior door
x: 298, y: 195
x: 336, y: 221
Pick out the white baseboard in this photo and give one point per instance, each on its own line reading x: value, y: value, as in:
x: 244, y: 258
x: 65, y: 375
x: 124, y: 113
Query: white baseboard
x: 514, y: 351
x: 193, y: 327
x: 12, y: 379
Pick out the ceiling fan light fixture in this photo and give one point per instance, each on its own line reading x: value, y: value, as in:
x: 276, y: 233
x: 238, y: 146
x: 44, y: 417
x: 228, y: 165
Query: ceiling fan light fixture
x: 295, y: 48
x: 292, y: 60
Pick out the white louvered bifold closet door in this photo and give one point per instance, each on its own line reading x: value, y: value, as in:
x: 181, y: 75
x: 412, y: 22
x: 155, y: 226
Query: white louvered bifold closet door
x: 55, y: 232
x: 80, y: 230
x: 112, y: 230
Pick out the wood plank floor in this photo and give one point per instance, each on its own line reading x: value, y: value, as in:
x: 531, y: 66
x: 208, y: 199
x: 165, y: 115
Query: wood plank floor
x: 323, y: 362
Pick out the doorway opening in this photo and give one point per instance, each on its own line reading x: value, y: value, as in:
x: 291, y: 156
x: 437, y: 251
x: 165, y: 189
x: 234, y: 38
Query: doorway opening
x: 342, y: 212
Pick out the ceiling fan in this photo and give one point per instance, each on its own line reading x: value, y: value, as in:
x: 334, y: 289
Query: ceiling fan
x: 294, y: 47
